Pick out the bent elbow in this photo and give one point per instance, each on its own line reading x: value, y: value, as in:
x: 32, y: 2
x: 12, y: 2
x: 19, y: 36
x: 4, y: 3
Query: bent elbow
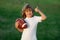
x: 44, y: 18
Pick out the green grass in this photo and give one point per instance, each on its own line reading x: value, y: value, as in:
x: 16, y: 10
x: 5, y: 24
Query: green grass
x: 10, y: 10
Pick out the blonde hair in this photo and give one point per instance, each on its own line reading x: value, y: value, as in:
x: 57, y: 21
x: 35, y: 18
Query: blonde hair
x: 26, y: 6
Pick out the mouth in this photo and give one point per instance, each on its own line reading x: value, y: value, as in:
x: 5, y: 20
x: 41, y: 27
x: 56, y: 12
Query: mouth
x: 29, y: 14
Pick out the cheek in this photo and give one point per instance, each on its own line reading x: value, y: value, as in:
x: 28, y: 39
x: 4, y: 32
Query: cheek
x: 31, y: 13
x: 26, y: 13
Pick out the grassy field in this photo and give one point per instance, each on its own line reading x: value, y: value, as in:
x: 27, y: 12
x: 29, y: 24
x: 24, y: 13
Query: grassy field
x: 10, y: 10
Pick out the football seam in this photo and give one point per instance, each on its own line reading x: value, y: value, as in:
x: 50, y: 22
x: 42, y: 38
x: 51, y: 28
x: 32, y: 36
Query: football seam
x: 23, y: 24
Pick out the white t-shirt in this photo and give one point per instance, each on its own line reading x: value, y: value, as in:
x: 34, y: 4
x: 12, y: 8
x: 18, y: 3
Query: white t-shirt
x: 30, y: 32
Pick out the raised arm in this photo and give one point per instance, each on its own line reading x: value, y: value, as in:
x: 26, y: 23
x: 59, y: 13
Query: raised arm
x: 41, y: 13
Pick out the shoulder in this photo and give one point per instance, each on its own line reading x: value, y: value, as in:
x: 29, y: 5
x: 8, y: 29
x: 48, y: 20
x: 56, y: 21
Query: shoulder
x: 37, y: 16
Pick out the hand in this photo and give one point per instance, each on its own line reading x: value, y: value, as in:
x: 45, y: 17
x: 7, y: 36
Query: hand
x: 36, y: 9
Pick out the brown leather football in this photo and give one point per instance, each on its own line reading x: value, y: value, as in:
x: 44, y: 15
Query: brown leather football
x: 21, y: 23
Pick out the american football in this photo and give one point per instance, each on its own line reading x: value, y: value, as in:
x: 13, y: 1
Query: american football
x: 21, y: 23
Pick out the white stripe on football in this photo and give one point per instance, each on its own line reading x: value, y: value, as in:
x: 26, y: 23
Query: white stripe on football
x: 23, y: 24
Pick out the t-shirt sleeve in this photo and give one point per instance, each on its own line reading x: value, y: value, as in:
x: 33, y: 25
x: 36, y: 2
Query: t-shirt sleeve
x: 38, y: 18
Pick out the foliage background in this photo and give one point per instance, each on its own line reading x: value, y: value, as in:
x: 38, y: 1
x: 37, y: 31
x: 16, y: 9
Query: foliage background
x: 10, y: 10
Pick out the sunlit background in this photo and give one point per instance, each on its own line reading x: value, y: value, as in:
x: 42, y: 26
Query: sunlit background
x: 10, y: 10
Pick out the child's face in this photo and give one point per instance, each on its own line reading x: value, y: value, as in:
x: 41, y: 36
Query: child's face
x: 28, y: 12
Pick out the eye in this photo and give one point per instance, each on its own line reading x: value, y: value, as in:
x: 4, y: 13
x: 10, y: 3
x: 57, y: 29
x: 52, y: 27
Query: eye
x: 27, y: 11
